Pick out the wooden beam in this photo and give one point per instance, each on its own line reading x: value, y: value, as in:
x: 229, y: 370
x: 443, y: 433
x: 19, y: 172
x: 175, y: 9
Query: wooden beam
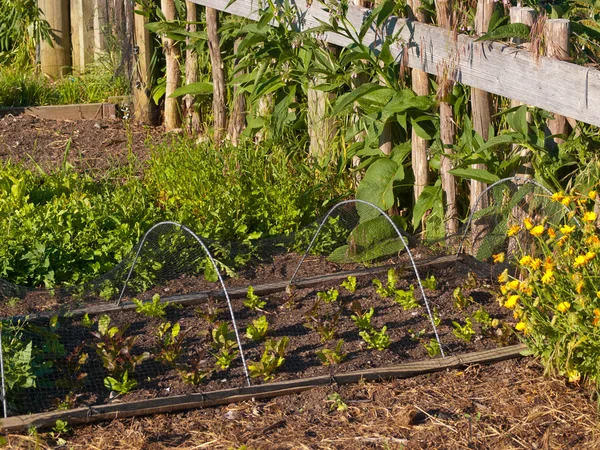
x: 502, y: 69
x: 56, y: 58
x: 90, y: 111
x: 183, y: 402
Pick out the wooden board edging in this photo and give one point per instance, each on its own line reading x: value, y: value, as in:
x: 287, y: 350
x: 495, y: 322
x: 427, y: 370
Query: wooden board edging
x: 200, y: 400
x: 88, y: 111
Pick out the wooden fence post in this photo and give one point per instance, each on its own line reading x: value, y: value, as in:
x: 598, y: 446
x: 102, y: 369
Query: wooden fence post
x: 557, y: 34
x: 481, y: 102
x: 447, y: 130
x: 218, y: 75
x: 56, y: 59
x: 527, y: 16
x: 144, y: 110
x: 82, y: 33
x: 173, y: 73
x: 100, y: 18
x: 420, y: 85
x: 192, y: 118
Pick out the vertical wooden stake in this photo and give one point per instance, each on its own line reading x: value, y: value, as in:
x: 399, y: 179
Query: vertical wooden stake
x: 100, y: 15
x: 527, y: 16
x: 218, y: 75
x: 56, y: 59
x: 481, y: 108
x: 447, y: 131
x: 173, y: 73
x: 420, y: 84
x: 237, y: 120
x: 144, y: 110
x: 192, y: 118
x: 557, y: 34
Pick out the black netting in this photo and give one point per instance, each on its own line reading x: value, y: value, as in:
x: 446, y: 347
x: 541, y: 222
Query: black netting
x: 181, y: 314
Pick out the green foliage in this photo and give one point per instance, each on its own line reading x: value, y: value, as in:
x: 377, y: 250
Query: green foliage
x: 18, y: 359
x: 253, y: 301
x: 332, y: 357
x: 116, y: 350
x: 124, y: 385
x: 86, y: 322
x: 170, y: 342
x: 461, y: 301
x: 153, y: 308
x: 349, y: 283
x: 390, y: 288
x: 336, y: 402
x: 378, y: 340
x: 323, y: 320
x: 362, y: 319
x: 464, y: 332
x: 224, y: 344
x: 406, y: 299
x: 257, y: 330
x: 430, y: 283
x: 433, y: 348
x: 272, y: 358
x: 329, y: 296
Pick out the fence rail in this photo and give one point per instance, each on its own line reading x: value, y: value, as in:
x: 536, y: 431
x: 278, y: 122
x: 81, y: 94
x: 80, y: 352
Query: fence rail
x: 556, y: 86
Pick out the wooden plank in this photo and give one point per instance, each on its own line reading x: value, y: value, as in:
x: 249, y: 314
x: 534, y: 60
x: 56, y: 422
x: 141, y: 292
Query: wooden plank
x: 240, y: 292
x: 201, y: 400
x: 90, y: 111
x: 556, y: 86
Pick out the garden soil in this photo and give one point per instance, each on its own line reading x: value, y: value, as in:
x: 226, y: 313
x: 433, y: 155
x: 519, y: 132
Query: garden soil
x: 508, y: 405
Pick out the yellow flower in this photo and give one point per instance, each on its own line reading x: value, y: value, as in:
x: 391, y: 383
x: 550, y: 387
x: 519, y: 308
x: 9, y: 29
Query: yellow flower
x: 565, y: 201
x: 537, y: 231
x: 536, y: 264
x: 514, y: 285
x: 579, y: 287
x: 528, y: 223
x: 548, y: 276
x: 579, y: 261
x: 526, y: 289
x: 499, y: 258
x: 520, y: 326
x: 592, y: 195
x: 548, y: 264
x: 567, y: 229
x: 503, y: 289
x: 593, y: 240
x: 511, y: 301
x: 589, y: 256
x: 503, y: 277
x: 563, y: 307
x: 525, y: 260
x: 513, y: 230
x: 573, y: 375
x: 551, y: 233
x: 557, y: 196
x: 589, y: 216
x: 562, y: 240
x: 596, y: 320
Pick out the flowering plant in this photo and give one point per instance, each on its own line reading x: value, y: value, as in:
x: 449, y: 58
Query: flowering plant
x: 554, y: 290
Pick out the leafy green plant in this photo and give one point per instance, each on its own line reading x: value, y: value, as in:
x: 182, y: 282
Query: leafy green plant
x: 430, y: 283
x: 18, y: 359
x: 70, y: 367
x: 195, y: 369
x: 253, y: 301
x: 482, y: 317
x: 362, y: 319
x: 272, y: 358
x: 116, y: 350
x: 124, y: 385
x: 336, y: 402
x: 433, y: 348
x: 332, y: 357
x: 329, y: 296
x: 170, y: 342
x: 390, y: 287
x: 461, y: 301
x: 86, y: 322
x: 257, y: 330
x: 464, y: 332
x: 349, y: 283
x: 211, y: 312
x: 376, y: 339
x: 406, y: 299
x: 323, y: 320
x: 153, y: 308
x: 224, y: 345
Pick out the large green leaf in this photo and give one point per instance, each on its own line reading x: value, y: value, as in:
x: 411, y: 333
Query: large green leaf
x: 198, y: 88
x: 377, y: 186
x: 349, y: 98
x: 510, y: 31
x: 475, y: 174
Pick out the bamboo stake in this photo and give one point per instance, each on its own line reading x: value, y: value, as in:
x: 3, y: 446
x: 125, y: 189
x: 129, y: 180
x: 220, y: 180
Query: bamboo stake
x: 172, y: 118
x: 192, y: 118
x: 218, y: 75
x: 557, y: 34
x: 56, y: 58
x: 447, y: 131
x: 144, y: 110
